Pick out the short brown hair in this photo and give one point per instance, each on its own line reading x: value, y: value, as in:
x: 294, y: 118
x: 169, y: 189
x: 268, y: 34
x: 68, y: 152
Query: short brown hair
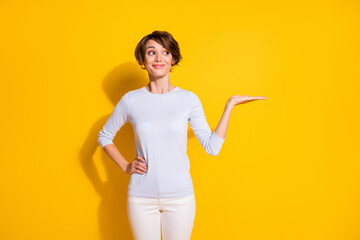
x: 165, y: 39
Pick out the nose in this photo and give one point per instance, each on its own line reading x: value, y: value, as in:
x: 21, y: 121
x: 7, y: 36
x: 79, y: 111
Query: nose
x: 158, y: 57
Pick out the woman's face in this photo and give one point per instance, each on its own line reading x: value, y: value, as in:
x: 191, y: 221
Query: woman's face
x: 157, y: 59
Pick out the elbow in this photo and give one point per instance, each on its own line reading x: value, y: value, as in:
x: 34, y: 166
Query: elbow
x: 213, y: 144
x: 104, y: 140
x: 213, y: 152
x: 100, y: 142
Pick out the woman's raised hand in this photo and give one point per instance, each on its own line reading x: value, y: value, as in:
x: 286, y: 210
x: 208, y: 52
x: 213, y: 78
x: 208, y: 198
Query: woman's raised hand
x: 138, y: 165
x: 236, y: 99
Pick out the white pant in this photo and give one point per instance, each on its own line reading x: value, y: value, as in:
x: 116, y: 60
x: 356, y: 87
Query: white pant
x: 174, y: 216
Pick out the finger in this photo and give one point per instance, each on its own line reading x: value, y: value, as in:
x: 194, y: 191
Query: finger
x: 258, y: 97
x: 142, y: 167
x: 142, y: 164
x: 252, y: 99
x: 141, y: 159
x: 138, y: 164
x: 140, y: 171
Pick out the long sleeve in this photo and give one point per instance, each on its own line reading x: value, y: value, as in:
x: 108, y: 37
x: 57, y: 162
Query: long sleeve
x: 210, y: 141
x: 117, y: 119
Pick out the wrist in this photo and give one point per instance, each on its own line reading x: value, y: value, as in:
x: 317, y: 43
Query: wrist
x: 229, y: 105
x: 125, y: 167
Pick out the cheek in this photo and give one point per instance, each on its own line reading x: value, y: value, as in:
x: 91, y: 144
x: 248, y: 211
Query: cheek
x: 169, y: 59
x: 147, y: 59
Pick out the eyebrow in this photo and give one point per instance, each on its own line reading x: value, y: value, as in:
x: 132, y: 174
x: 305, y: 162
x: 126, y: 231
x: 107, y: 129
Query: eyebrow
x: 152, y: 47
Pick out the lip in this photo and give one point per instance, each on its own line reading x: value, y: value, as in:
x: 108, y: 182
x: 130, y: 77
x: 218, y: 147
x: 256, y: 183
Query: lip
x: 158, y: 66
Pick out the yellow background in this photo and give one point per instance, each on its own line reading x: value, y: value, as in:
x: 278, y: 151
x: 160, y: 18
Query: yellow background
x: 289, y: 168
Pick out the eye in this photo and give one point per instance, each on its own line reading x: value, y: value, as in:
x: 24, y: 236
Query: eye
x: 152, y: 52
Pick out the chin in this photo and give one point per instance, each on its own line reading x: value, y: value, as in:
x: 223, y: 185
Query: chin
x: 159, y: 74
x: 162, y: 72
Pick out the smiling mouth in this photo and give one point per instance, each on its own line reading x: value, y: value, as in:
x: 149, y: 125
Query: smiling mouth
x: 158, y: 66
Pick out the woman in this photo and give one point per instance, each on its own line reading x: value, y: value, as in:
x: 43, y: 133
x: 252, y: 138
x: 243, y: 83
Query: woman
x: 160, y: 193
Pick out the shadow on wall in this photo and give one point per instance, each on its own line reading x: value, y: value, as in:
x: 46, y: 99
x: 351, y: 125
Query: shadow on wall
x: 112, y: 214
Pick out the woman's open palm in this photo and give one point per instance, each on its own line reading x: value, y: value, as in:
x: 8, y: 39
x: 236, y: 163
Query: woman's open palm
x: 236, y: 99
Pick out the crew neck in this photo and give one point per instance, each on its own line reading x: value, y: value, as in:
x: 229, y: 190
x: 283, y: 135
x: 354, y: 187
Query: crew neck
x: 160, y: 94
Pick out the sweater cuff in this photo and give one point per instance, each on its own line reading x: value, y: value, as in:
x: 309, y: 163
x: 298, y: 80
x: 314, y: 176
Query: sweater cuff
x: 217, y: 140
x: 220, y: 138
x: 104, y: 142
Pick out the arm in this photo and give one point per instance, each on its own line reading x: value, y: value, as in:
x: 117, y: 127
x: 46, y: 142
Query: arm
x: 138, y: 166
x: 209, y: 140
x: 224, y: 121
x: 113, y: 152
x: 105, y: 137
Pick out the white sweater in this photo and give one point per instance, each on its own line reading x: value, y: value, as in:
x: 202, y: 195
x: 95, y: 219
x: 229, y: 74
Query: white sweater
x: 160, y: 124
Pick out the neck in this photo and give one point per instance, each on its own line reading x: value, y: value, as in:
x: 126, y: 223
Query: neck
x: 160, y: 85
